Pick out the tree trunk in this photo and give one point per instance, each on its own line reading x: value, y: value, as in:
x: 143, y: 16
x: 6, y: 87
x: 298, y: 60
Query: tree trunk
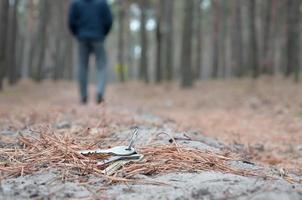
x: 20, y: 55
x: 237, y: 59
x: 253, y: 55
x: 267, y: 12
x: 31, y: 37
x: 12, y: 42
x: 159, y: 42
x: 169, y: 10
x: 4, y: 7
x: 223, y: 37
x: 186, y: 53
x: 198, y: 35
x: 293, y: 38
x: 269, y: 37
x: 129, y: 47
x: 121, y: 41
x: 58, y: 40
x: 69, y: 57
x: 39, y: 51
x: 216, y: 22
x: 144, y: 43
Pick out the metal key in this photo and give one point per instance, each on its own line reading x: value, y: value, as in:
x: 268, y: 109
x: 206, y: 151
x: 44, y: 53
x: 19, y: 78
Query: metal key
x: 116, y: 158
x: 133, y: 138
x: 112, y: 168
x: 118, y: 151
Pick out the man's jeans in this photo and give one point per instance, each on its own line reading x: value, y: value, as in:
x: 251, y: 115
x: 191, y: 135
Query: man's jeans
x: 85, y: 49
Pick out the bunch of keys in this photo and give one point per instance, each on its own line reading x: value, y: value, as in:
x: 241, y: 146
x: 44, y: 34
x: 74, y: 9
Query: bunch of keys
x: 118, y: 153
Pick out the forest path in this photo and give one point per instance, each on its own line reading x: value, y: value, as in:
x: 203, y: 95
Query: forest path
x: 262, y: 118
x: 253, y: 119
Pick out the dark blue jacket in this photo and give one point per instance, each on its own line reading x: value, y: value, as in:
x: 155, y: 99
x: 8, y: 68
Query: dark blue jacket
x: 90, y: 19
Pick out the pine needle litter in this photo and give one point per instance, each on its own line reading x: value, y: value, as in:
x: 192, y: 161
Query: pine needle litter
x: 61, y: 153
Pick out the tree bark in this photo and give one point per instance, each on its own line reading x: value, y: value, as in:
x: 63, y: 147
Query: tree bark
x: 293, y: 38
x: 144, y: 43
x: 32, y: 35
x: 159, y: 42
x: 129, y: 47
x: 223, y: 37
x: 237, y: 59
x: 3, y: 36
x: 11, y: 46
x: 269, y: 37
x: 59, y: 51
x: 253, y: 55
x: 186, y: 53
x: 169, y: 5
x: 198, y: 22
x: 216, y: 22
x: 121, y: 40
x: 39, y: 50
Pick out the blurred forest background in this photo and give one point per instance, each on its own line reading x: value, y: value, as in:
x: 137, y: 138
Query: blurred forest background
x: 157, y: 40
x: 242, y: 56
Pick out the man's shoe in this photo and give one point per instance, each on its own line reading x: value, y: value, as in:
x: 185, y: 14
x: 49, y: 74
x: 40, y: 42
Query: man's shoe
x: 99, y: 99
x: 84, y: 100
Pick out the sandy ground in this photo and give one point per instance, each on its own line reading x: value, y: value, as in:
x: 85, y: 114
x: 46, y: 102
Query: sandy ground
x: 264, y: 115
x: 254, y: 120
x: 178, y: 185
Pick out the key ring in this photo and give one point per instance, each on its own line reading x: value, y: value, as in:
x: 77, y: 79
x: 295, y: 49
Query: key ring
x: 118, y: 150
x: 133, y: 138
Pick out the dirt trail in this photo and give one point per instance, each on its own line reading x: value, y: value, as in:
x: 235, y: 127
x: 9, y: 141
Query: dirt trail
x: 264, y: 115
x: 240, y: 114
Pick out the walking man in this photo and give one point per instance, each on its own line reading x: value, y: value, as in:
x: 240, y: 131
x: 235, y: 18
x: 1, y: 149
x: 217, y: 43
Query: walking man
x: 90, y: 21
